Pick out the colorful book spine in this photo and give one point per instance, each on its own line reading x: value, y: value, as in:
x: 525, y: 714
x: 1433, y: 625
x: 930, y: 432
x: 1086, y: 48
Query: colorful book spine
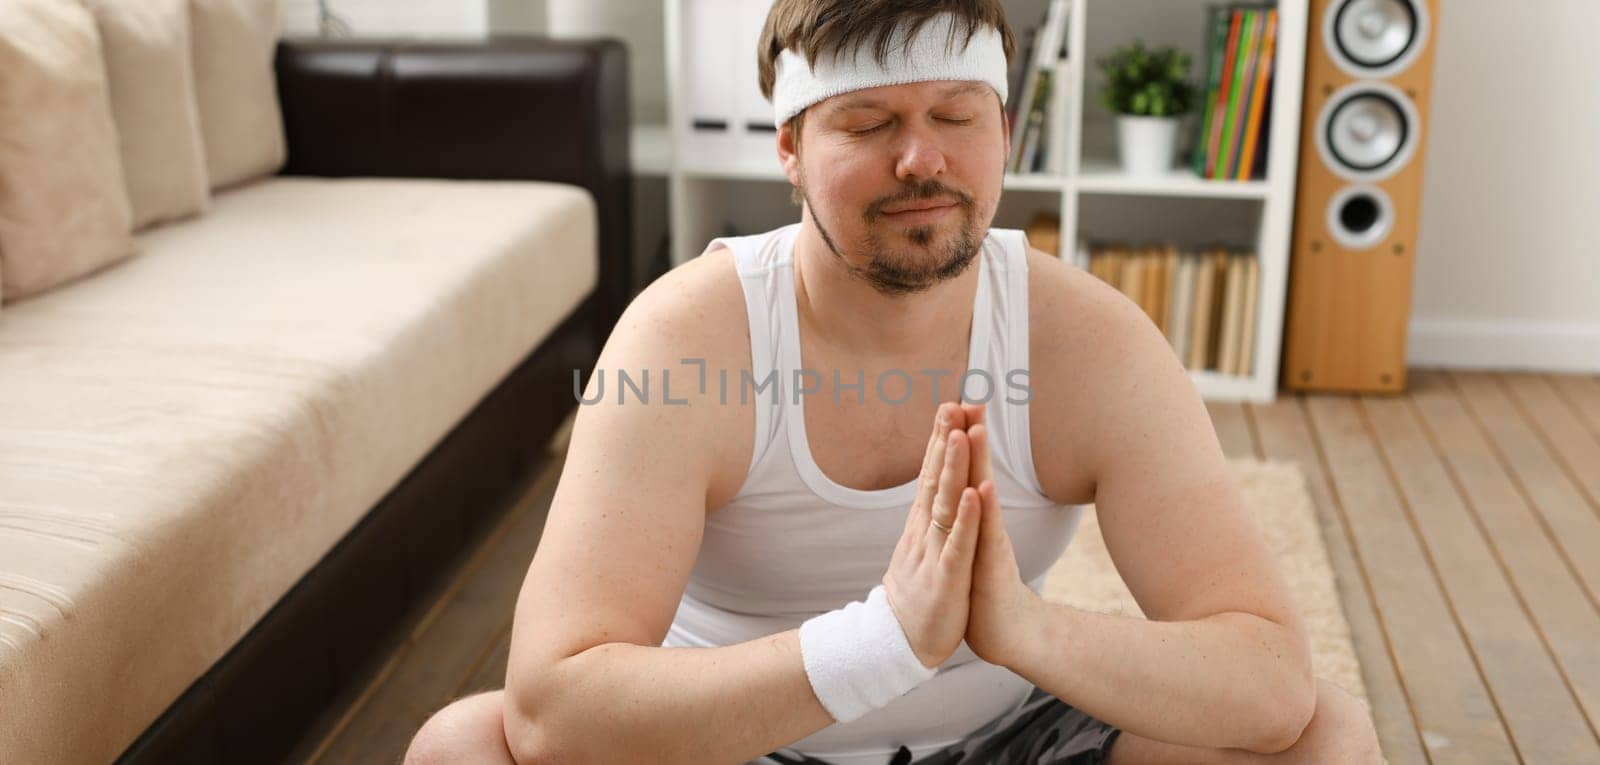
x: 1257, y: 102
x: 1230, y: 120
x: 1216, y: 40
x: 1252, y: 62
x: 1214, y: 140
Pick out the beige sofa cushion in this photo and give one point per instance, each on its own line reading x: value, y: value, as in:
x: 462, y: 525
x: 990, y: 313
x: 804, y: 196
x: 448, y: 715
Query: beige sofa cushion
x: 185, y: 436
x: 233, y: 43
x: 64, y: 209
x: 146, y: 44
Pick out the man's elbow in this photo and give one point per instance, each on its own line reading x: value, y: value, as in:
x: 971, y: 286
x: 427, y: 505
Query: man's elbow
x: 1288, y: 716
x: 527, y: 739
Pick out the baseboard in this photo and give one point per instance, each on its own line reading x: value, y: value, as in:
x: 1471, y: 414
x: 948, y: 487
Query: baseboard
x: 1504, y: 345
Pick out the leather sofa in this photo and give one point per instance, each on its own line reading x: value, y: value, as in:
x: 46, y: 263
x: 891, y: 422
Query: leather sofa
x: 320, y: 389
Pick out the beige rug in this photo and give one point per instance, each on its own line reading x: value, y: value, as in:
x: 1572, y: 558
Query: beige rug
x: 1276, y: 494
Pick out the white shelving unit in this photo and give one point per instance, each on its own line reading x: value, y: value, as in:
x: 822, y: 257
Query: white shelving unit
x: 725, y: 181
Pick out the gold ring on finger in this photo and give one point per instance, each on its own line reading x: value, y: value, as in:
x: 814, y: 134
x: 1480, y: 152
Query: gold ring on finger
x: 939, y: 526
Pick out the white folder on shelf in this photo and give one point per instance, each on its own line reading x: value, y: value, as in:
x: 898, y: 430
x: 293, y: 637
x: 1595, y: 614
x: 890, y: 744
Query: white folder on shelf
x: 755, y: 130
x: 708, y: 63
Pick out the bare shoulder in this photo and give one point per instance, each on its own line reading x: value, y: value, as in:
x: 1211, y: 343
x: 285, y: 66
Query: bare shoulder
x: 705, y: 287
x: 1081, y: 332
x: 683, y: 327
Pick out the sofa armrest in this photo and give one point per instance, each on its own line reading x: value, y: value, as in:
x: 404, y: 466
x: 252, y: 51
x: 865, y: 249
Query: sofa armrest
x: 522, y: 108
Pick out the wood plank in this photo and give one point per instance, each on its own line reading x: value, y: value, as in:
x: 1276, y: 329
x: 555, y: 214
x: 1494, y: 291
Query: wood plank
x: 1452, y: 705
x: 490, y: 673
x: 1233, y: 429
x: 1573, y: 525
x: 1285, y: 435
x: 1582, y: 393
x: 1540, y: 712
x: 1577, y: 449
x: 1561, y: 610
x: 449, y: 646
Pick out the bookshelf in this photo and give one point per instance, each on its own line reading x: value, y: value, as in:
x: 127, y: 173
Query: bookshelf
x: 730, y: 182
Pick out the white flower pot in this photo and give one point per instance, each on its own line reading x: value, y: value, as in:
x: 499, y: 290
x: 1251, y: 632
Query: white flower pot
x: 1146, y: 144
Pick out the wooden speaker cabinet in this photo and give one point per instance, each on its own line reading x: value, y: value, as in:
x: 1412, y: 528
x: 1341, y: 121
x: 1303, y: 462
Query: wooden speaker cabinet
x: 1369, y: 69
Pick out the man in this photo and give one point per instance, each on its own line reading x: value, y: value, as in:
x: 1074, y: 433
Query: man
x: 804, y: 576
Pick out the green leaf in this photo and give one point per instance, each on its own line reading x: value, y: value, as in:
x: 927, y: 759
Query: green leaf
x: 1140, y: 80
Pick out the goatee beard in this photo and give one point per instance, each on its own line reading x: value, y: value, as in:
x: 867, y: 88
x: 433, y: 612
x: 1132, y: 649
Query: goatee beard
x: 905, y: 274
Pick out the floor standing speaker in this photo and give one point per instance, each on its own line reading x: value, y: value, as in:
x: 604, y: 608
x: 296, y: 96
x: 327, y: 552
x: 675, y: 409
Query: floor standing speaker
x: 1369, y: 68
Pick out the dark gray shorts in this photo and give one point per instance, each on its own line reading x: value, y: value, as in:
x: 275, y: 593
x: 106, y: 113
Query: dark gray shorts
x: 1044, y: 729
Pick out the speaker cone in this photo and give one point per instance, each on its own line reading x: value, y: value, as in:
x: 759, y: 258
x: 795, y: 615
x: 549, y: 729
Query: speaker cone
x: 1367, y: 131
x: 1375, y: 33
x: 1374, y: 38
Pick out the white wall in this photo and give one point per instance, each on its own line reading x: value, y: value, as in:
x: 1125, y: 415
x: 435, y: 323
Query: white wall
x: 640, y: 23
x: 517, y: 16
x: 1508, y: 258
x: 393, y: 18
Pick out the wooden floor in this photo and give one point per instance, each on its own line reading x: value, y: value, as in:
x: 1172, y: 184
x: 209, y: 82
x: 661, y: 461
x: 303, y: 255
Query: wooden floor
x: 1463, y: 520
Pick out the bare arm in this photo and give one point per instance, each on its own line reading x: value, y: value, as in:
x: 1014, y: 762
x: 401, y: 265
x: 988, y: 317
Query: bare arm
x: 588, y: 680
x: 1222, y: 659
x: 621, y: 702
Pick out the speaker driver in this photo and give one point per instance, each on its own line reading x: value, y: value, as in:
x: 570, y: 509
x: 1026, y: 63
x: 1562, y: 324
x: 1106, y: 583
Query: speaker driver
x: 1360, y: 217
x: 1374, y: 38
x: 1367, y: 131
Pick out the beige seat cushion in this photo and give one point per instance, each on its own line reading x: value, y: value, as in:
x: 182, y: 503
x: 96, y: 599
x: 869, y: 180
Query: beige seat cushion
x: 184, y: 436
x: 146, y: 45
x: 64, y: 209
x: 233, y: 44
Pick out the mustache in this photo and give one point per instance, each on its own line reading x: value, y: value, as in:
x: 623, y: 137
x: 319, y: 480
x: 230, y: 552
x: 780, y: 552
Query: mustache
x: 916, y: 192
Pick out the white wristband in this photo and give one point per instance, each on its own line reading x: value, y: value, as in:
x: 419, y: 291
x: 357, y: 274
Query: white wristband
x: 858, y: 658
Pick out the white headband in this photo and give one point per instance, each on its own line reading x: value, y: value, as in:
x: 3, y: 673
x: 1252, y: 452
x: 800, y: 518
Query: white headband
x: 797, y: 86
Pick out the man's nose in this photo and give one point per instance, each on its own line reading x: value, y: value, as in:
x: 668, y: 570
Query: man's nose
x: 921, y: 156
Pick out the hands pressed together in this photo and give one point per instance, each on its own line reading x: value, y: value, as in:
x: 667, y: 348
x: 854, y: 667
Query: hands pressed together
x: 965, y: 584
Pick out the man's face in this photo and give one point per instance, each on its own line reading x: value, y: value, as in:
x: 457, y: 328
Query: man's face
x: 902, y: 181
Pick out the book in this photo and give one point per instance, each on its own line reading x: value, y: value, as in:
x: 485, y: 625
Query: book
x: 1200, y: 314
x: 1252, y: 296
x: 1014, y: 81
x: 1262, y: 80
x: 1183, y: 302
x: 1232, y: 313
x: 1219, y: 286
x: 1230, y: 117
x: 1154, y: 282
x: 1169, y: 274
x: 1230, y: 46
x: 1230, y: 164
x: 1133, y: 277
x: 1217, y: 20
x: 1055, y: 121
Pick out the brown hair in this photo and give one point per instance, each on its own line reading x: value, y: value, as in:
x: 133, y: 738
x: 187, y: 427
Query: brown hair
x: 818, y: 28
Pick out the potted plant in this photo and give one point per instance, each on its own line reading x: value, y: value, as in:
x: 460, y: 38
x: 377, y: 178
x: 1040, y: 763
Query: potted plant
x: 1149, y: 92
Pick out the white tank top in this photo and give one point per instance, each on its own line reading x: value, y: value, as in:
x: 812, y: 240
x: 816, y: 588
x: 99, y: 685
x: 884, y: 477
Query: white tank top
x: 792, y: 544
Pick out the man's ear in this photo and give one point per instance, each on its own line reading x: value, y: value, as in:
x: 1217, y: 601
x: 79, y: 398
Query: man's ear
x: 787, y: 156
x: 1005, y: 127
